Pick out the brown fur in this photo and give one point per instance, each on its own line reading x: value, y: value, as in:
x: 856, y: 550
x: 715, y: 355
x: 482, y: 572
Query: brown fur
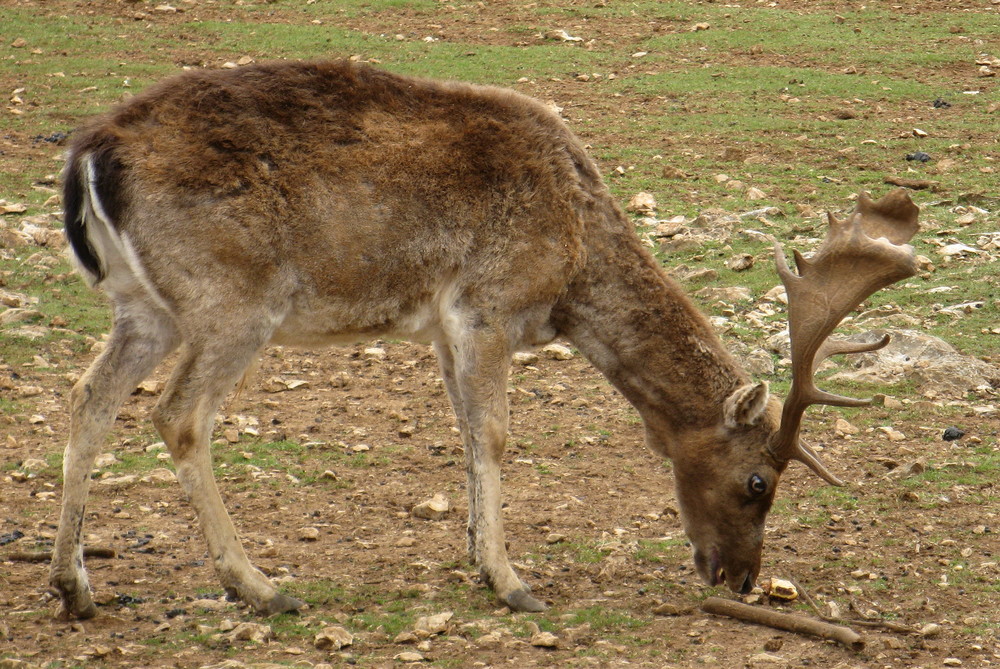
x: 315, y: 203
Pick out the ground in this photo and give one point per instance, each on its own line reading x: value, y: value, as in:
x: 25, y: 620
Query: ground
x: 360, y: 435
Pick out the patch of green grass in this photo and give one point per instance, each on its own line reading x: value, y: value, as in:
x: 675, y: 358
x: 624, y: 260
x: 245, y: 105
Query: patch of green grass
x: 664, y: 551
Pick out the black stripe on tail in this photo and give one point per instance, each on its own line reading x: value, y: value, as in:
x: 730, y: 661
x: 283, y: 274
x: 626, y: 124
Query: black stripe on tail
x: 74, y: 194
x: 107, y: 171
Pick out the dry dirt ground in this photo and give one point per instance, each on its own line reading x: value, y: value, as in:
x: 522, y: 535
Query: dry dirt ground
x: 376, y: 436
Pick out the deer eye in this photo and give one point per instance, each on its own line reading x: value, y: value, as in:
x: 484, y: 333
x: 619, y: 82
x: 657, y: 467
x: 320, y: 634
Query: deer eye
x: 757, y: 485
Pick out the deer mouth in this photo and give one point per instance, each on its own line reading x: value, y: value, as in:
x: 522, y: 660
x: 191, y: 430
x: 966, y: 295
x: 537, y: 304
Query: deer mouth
x: 714, y: 573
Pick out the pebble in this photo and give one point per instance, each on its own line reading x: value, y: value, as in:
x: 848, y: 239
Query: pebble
x: 433, y: 509
x: 409, y: 656
x: 333, y: 638
x: 427, y: 626
x: 558, y: 352
x: 930, y: 630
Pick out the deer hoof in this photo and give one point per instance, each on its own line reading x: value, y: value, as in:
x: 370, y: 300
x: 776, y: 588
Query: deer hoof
x: 281, y: 604
x: 77, y: 608
x: 520, y: 600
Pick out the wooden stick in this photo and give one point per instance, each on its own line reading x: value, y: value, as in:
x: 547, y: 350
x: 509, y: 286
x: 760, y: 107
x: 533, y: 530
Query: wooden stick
x: 45, y: 556
x: 783, y: 621
x: 883, y: 624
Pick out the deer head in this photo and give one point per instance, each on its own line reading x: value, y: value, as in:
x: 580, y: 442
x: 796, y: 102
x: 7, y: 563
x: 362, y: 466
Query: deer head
x: 724, y: 513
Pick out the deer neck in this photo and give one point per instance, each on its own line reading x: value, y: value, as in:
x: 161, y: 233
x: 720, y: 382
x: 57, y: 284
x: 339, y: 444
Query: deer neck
x: 635, y: 325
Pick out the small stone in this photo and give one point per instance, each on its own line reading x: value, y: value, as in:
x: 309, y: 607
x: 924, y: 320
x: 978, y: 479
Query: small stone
x: 558, y: 352
x: 930, y: 630
x: 427, y: 626
x: 253, y: 632
x: 951, y: 662
x: 105, y: 460
x: 766, y: 660
x: 11, y: 316
x: 409, y: 656
x: 892, y: 434
x: 842, y: 427
x: 433, y: 509
x: 308, y: 534
x: 670, y: 609
x: 555, y: 538
x: 642, y: 203
x: 375, y: 353
x: 544, y: 640
x: 159, y: 475
x: 33, y: 465
x: 332, y: 638
x: 671, y: 172
x: 340, y: 380
x: 525, y: 358
x: 741, y: 262
x: 110, y: 481
x: 952, y: 434
x: 210, y: 605
x: 892, y: 403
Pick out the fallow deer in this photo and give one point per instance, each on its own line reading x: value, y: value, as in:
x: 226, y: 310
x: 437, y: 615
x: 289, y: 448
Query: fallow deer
x: 308, y: 203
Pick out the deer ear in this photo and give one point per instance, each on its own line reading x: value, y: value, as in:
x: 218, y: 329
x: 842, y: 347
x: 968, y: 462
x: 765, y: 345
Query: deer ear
x: 746, y: 405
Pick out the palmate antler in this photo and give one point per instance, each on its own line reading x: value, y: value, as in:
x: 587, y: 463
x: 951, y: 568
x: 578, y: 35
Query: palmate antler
x: 860, y: 255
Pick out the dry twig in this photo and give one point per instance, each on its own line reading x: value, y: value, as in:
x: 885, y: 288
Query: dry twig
x: 883, y: 624
x: 45, y: 556
x: 783, y: 621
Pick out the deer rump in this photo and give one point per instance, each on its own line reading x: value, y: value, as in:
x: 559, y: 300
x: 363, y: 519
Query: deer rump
x: 326, y: 202
x: 347, y: 194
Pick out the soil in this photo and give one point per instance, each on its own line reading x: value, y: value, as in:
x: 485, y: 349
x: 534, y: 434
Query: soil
x: 377, y: 437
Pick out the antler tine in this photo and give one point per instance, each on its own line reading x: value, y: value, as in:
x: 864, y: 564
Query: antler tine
x: 860, y: 255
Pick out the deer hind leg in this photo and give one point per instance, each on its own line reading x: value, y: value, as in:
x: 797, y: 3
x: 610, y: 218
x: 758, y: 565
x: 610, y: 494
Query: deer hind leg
x: 184, y: 416
x: 140, y: 339
x: 475, y: 373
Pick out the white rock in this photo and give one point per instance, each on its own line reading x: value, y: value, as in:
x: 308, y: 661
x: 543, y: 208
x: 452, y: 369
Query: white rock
x: 105, y: 460
x: 433, y: 509
x: 123, y: 480
x: 333, y: 638
x: 558, y: 352
x: 544, y: 640
x: 642, y: 203
x: 254, y: 632
x: 842, y: 427
x: 308, y: 534
x: 408, y: 656
x: 525, y: 358
x: 766, y: 660
x: 32, y: 465
x: 930, y: 630
x: 427, y: 626
x: 159, y: 475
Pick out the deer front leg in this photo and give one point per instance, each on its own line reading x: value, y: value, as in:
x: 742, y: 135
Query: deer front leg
x: 184, y: 417
x: 136, y: 346
x: 475, y: 374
